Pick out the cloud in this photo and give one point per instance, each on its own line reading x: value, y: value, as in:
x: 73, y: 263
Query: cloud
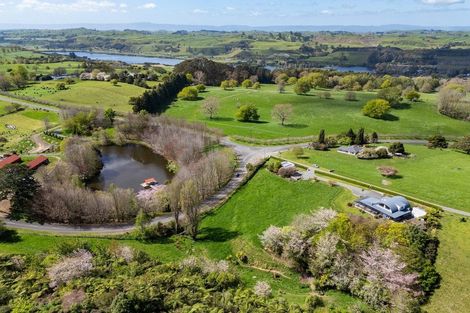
x: 148, y: 6
x: 442, y: 2
x: 75, y: 6
x: 326, y: 12
x: 200, y: 11
x: 229, y: 8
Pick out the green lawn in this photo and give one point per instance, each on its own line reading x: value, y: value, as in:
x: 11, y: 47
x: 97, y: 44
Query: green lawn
x: 312, y: 114
x: 265, y: 200
x: 453, y: 263
x: 85, y: 93
x: 440, y: 176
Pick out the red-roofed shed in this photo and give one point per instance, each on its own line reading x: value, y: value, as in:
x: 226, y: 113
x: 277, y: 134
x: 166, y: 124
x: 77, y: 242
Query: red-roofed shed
x: 10, y: 160
x: 37, y: 162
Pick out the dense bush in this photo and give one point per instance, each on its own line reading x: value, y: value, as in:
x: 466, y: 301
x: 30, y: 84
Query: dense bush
x: 120, y: 279
x: 397, y: 147
x: 379, y: 261
x: 377, y: 108
x: 247, y: 113
x: 188, y: 93
x: 273, y: 165
x: 463, y: 144
x: 437, y: 141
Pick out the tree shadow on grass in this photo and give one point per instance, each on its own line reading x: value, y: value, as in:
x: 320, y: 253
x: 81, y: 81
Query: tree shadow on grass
x: 296, y: 126
x: 222, y: 119
x: 217, y: 234
x: 390, y: 117
x: 402, y: 106
x: 396, y: 177
x: 255, y: 122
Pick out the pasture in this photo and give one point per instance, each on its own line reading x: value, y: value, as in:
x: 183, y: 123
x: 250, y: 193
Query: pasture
x: 312, y: 113
x: 95, y: 94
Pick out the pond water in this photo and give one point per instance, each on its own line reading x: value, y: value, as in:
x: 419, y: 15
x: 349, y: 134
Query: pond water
x: 353, y: 69
x: 127, y: 167
x: 129, y: 59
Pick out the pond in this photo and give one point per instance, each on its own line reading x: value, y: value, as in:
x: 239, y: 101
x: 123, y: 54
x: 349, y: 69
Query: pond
x: 128, y: 166
x: 129, y: 59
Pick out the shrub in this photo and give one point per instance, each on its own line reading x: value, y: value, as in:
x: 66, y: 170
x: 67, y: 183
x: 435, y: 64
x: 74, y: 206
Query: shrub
x: 76, y: 265
x: 262, y: 289
x: 61, y: 86
x: 287, y: 172
x: 273, y: 165
x: 397, y: 147
x: 350, y: 96
x: 302, y: 86
x: 312, y: 303
x: 188, y: 93
x: 201, y: 87
x: 298, y: 151
x: 247, y: 83
x: 273, y: 239
x: 373, y: 153
x: 256, y: 86
x: 437, y: 141
x: 392, y: 95
x: 463, y: 144
x: 325, y: 95
x: 247, y: 112
x: 412, y: 95
x: 387, y: 171
x: 377, y: 108
x: 8, y: 235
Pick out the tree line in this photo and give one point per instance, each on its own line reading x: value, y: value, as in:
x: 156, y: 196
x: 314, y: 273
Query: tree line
x: 157, y: 100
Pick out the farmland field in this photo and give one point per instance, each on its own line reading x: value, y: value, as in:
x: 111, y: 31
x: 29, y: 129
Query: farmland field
x: 440, y: 176
x: 85, y: 93
x: 25, y: 122
x: 311, y: 114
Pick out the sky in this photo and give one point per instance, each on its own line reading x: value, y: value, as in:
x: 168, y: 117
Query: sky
x: 239, y: 12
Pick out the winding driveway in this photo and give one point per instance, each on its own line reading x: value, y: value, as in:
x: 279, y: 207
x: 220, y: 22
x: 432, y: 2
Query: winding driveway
x: 245, y: 154
x: 29, y: 104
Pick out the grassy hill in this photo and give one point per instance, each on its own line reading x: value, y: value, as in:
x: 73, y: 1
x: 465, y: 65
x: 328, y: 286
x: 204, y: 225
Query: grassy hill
x: 85, y: 93
x: 311, y: 113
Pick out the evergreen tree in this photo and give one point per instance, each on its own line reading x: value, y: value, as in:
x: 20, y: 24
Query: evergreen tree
x: 375, y: 137
x: 351, y: 135
x: 321, y: 137
x: 360, y: 138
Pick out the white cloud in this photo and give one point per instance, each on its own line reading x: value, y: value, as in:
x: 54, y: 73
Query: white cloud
x: 149, y: 6
x: 255, y: 13
x: 75, y: 6
x: 326, y: 12
x: 442, y: 2
x: 200, y: 11
x: 229, y: 8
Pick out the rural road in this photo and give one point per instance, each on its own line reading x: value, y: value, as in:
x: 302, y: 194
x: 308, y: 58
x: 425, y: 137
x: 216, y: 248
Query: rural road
x: 29, y: 104
x: 246, y: 154
x: 41, y: 145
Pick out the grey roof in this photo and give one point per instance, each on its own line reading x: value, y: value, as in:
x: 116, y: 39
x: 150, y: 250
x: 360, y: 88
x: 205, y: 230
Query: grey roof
x: 396, y: 208
x: 350, y: 149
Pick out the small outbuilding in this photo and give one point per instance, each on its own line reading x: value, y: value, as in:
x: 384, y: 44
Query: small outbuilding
x: 352, y: 150
x: 38, y: 162
x: 12, y: 159
x: 396, y: 208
